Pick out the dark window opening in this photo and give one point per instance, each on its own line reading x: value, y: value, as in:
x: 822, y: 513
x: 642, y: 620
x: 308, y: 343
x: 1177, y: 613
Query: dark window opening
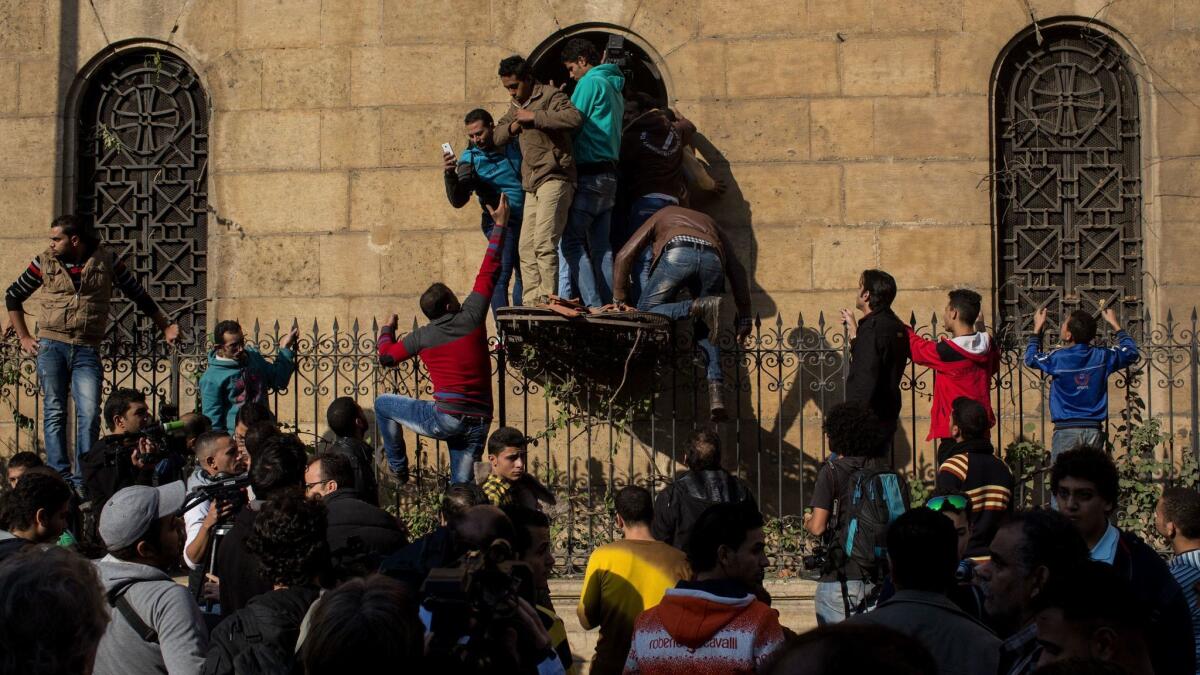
x: 641, y: 75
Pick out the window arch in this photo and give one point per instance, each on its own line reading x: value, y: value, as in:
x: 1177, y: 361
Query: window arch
x: 638, y: 61
x: 141, y: 178
x: 1067, y: 161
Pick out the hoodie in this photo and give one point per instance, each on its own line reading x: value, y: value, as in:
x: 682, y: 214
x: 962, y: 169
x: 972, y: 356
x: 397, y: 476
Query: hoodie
x: 704, y: 627
x: 964, y: 366
x: 162, y: 605
x: 598, y: 98
x: 228, y: 384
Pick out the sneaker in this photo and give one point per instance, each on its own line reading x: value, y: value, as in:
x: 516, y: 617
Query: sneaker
x: 708, y: 310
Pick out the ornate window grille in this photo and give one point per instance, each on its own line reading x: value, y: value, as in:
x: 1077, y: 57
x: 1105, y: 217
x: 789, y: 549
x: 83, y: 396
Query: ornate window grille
x: 143, y: 183
x: 1068, y: 179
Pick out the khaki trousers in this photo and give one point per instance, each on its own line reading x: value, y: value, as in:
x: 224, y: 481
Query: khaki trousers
x: 545, y: 219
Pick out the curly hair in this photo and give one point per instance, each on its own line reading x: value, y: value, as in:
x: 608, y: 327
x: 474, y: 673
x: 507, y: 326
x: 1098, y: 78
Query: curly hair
x: 854, y: 431
x: 38, y: 489
x: 1090, y: 464
x: 52, y: 612
x: 289, y: 540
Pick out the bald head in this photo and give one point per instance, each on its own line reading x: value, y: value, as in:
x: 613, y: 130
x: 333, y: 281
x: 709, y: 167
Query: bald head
x: 482, y: 525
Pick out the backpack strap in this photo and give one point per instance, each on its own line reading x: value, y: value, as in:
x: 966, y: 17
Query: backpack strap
x: 116, y: 598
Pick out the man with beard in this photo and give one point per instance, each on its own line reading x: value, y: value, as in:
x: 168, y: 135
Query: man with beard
x: 237, y: 375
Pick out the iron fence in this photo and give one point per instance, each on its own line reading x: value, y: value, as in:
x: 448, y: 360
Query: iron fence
x: 623, y: 416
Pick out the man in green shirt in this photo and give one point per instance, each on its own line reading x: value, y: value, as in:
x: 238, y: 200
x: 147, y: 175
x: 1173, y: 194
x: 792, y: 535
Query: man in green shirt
x: 585, y: 264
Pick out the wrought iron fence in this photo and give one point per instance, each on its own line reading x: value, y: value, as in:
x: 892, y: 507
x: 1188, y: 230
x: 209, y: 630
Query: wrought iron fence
x: 604, y: 424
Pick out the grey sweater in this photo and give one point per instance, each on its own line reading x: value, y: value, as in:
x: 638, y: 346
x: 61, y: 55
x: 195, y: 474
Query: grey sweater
x: 163, y: 605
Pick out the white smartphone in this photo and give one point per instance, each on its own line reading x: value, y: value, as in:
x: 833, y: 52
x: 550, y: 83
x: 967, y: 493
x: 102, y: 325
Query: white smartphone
x: 447, y: 149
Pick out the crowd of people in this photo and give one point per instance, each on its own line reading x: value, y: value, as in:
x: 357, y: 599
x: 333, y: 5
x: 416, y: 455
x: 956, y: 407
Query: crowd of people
x: 292, y: 566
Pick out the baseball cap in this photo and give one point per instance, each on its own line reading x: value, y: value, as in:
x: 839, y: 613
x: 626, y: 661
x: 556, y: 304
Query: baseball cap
x: 128, y: 515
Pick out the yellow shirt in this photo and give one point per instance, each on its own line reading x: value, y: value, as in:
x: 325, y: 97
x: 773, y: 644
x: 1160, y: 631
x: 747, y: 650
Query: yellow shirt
x: 624, y: 579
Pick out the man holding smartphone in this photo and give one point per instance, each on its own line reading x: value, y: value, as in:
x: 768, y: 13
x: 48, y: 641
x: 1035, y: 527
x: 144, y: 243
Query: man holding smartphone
x: 489, y: 171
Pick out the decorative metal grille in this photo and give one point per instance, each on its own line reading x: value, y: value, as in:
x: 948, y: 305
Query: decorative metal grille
x: 1068, y: 179
x: 143, y: 182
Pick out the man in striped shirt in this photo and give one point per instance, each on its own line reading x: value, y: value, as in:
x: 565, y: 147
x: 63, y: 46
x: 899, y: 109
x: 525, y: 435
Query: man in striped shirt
x: 77, y: 274
x: 1177, y: 518
x: 974, y: 469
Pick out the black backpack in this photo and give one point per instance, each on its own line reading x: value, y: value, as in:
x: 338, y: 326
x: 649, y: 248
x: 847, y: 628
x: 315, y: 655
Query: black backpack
x: 875, y: 497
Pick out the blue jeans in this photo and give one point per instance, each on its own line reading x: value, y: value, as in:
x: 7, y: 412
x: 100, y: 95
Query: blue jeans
x: 584, y: 252
x: 831, y: 607
x: 1069, y: 439
x: 639, y: 213
x: 701, y: 272
x: 75, y: 368
x: 509, y: 262
x: 463, y: 436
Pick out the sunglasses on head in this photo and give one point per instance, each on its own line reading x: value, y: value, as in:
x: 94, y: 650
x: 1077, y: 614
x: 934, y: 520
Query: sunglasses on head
x: 938, y: 503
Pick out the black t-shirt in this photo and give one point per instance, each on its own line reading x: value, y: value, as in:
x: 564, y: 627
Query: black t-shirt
x: 833, y: 483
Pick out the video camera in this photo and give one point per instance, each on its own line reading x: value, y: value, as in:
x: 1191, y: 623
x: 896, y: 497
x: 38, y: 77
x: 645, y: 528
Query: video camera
x: 478, y: 599
x: 226, y: 488
x: 168, y: 438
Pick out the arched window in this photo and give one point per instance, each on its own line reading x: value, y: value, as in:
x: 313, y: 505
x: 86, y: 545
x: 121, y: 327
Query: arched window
x: 1068, y: 177
x: 641, y: 72
x: 142, y: 179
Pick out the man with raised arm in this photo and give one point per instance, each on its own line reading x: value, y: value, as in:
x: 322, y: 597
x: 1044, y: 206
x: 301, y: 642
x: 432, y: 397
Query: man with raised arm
x: 454, y: 348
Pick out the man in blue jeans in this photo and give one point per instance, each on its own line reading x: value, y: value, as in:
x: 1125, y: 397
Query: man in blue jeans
x: 690, y: 252
x: 489, y: 170
x: 454, y: 348
x: 78, y: 275
x: 586, y: 262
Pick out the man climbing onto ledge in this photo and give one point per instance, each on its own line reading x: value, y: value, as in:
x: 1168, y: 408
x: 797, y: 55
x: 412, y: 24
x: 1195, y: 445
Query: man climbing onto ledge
x: 454, y: 348
x: 691, y: 252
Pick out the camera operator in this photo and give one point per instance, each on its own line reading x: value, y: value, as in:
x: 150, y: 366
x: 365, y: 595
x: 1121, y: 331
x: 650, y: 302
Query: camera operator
x: 476, y: 620
x: 126, y: 456
x: 217, y: 457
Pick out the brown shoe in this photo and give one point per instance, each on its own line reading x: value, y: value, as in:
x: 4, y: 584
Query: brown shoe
x: 708, y: 310
x: 716, y: 401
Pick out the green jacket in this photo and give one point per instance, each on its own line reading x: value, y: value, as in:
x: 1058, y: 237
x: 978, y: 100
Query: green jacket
x: 598, y: 96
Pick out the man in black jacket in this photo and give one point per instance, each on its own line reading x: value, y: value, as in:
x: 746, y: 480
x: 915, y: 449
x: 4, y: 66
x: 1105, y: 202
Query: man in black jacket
x: 705, y: 483
x: 346, y: 419
x: 118, y: 460
x: 359, y: 534
x: 878, y: 349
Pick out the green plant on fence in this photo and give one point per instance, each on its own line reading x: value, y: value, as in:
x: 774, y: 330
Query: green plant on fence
x: 1026, y: 458
x: 787, y: 543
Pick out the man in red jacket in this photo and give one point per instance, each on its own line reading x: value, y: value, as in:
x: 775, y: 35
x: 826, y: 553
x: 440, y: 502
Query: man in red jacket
x: 964, y: 364
x: 454, y: 348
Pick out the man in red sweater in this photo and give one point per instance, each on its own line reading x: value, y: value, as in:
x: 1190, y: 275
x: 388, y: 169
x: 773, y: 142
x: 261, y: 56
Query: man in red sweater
x: 963, y: 365
x: 454, y: 348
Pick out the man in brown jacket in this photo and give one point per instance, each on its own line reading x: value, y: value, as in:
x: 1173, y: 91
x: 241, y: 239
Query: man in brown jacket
x: 540, y: 118
x: 691, y: 252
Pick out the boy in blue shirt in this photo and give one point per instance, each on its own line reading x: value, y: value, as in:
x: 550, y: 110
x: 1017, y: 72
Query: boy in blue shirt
x: 1079, y: 372
x: 489, y: 170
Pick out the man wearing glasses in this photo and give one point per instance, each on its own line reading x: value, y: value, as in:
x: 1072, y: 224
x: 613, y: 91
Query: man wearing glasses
x: 238, y: 374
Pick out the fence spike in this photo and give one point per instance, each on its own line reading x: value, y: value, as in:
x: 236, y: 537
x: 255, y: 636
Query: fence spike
x: 912, y: 319
x: 757, y: 320
x: 275, y: 328
x: 778, y: 322
x: 1193, y: 314
x: 374, y: 326
x: 257, y: 330
x: 821, y: 321
x: 354, y: 326
x: 335, y: 325
x: 1170, y: 319
x: 414, y: 323
x: 800, y: 320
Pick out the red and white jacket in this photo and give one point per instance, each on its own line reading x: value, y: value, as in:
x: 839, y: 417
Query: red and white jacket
x: 963, y: 366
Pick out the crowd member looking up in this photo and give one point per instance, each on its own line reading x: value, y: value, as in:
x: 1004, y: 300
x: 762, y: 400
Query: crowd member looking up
x: 217, y: 458
x: 52, y: 613
x: 541, y: 119
x: 78, y: 274
x: 19, y: 463
x: 35, y: 511
x: 878, y: 350
x: 625, y: 578
x: 509, y: 484
x: 277, y: 471
x: 964, y: 364
x: 364, y: 626
x: 974, y: 468
x: 652, y: 148
x: 586, y: 252
x: 1092, y: 613
x: 839, y: 650
x: 352, y: 522
x: 1177, y: 518
x: 289, y: 541
x: 489, y: 169
x: 738, y: 633
x: 1086, y: 484
x: 679, y: 505
x: 412, y: 563
x: 119, y: 459
x: 1030, y: 550
x: 238, y: 375
x: 156, y: 626
x: 349, y: 424
x: 856, y: 449
x: 531, y: 544
x: 690, y: 252
x: 922, y: 548
x: 454, y: 349
x: 1079, y: 376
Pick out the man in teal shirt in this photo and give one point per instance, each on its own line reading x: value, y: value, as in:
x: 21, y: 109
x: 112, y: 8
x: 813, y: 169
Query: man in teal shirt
x: 585, y: 264
x: 489, y: 170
